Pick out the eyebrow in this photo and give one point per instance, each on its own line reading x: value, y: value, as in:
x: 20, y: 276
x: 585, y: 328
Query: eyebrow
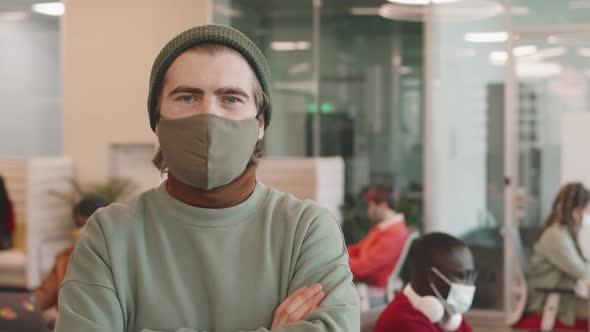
x: 232, y: 91
x: 218, y: 92
x: 186, y: 89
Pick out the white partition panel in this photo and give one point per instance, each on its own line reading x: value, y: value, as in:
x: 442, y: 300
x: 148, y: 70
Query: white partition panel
x: 47, y: 219
x: 319, y: 179
x: 575, y: 158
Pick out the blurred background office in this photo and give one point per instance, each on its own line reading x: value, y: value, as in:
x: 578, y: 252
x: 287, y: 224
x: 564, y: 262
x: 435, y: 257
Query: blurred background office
x: 475, y: 111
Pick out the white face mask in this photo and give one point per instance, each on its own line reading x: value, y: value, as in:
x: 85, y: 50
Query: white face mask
x: 586, y: 219
x: 460, y: 296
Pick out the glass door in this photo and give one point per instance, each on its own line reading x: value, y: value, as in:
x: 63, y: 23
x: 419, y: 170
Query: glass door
x: 548, y: 87
x: 552, y: 73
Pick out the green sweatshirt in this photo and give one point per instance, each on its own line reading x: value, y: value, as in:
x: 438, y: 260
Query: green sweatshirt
x: 157, y: 264
x: 556, y: 263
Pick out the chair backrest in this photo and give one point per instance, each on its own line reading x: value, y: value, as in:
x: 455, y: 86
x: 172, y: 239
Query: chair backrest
x: 394, y: 280
x: 518, y: 291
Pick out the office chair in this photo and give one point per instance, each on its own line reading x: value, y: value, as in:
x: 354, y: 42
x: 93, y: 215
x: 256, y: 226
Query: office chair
x: 548, y: 320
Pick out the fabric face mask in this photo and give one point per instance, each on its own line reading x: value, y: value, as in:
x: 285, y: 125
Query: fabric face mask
x: 586, y: 220
x: 460, y: 296
x: 376, y: 215
x: 205, y: 151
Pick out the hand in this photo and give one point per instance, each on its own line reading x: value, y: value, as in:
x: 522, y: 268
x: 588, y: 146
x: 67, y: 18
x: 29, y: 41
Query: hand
x: 298, y: 305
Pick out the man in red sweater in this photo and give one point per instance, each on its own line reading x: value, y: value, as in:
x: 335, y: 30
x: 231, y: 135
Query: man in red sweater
x: 440, y: 291
x: 374, y: 257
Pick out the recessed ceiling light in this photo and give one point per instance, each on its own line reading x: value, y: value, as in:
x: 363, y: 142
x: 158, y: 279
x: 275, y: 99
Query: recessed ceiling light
x: 585, y: 52
x: 524, y: 50
x: 537, y: 69
x: 402, y: 13
x: 498, y: 58
x: 226, y: 11
x: 519, y: 11
x: 290, y: 45
x: 552, y: 52
x: 411, y: 2
x: 365, y: 11
x: 13, y: 16
x: 422, y: 2
x: 49, y: 8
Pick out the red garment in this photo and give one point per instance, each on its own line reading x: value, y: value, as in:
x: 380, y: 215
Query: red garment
x: 401, y: 316
x: 533, y: 322
x: 373, y: 258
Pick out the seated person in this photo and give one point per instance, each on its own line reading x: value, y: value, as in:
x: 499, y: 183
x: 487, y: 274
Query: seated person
x: 557, y: 260
x: 46, y: 294
x: 374, y: 257
x: 441, y: 289
x: 6, y: 218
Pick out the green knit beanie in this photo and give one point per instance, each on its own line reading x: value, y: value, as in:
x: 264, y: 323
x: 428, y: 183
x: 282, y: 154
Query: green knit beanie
x: 207, y: 34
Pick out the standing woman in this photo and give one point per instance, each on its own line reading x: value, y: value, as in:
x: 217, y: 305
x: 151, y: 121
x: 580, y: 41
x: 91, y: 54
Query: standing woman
x: 557, y: 260
x: 6, y: 217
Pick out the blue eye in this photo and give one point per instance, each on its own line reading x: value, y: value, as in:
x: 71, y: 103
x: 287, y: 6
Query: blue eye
x: 188, y: 99
x: 231, y: 100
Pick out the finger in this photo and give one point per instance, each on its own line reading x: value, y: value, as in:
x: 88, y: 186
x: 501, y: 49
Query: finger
x: 288, y: 300
x: 301, y: 298
x: 281, y: 308
x: 309, y: 306
x: 294, y: 301
x: 299, y: 301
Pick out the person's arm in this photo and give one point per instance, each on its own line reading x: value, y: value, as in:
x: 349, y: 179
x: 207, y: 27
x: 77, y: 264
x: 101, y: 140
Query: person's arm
x: 322, y: 259
x: 354, y: 249
x: 87, y: 299
x: 560, y: 249
x: 46, y: 294
x: 387, y: 249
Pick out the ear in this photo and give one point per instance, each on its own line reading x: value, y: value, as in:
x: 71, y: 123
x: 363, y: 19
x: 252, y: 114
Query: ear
x: 261, y: 124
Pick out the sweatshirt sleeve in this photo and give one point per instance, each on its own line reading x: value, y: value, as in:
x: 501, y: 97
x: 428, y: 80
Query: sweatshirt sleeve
x: 88, y: 300
x: 323, y: 259
x: 560, y: 249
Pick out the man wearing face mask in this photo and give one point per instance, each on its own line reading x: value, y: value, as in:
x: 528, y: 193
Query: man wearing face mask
x: 440, y: 291
x: 211, y: 249
x: 373, y: 258
x: 46, y: 294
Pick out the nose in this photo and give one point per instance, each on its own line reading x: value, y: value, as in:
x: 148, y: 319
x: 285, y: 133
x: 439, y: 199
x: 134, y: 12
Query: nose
x: 210, y: 106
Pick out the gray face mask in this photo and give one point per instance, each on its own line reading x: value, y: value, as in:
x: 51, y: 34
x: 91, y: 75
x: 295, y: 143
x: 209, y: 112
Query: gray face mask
x: 376, y: 215
x: 206, y: 151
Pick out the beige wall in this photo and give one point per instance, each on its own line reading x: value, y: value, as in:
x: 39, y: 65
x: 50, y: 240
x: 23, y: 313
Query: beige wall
x: 108, y: 48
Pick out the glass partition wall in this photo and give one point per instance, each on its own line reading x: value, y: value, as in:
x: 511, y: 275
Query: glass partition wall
x: 459, y: 103
x: 347, y: 82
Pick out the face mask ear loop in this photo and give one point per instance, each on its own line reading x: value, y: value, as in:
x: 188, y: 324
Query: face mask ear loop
x: 442, y: 276
x: 437, y: 293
